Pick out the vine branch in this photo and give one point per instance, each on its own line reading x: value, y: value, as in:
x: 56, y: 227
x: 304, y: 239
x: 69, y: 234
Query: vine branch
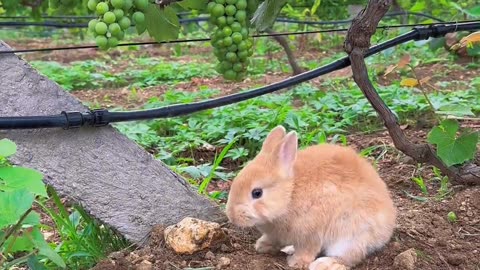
x: 356, y: 44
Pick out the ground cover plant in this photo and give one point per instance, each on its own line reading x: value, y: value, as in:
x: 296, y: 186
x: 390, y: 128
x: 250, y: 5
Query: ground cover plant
x: 434, y: 93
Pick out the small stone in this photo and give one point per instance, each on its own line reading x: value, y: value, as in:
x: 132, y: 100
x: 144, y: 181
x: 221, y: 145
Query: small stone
x: 209, y: 255
x: 407, y: 160
x: 224, y: 248
x: 144, y: 265
x: 223, y: 262
x: 191, y: 235
x: 237, y: 246
x: 405, y: 260
x: 455, y: 259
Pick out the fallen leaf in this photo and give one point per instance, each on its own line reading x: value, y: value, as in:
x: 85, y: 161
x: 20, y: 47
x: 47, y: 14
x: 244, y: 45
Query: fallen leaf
x: 389, y: 70
x: 425, y: 80
x: 410, y: 82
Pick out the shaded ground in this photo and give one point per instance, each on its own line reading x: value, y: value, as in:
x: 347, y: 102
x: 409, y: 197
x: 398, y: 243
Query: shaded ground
x: 422, y: 225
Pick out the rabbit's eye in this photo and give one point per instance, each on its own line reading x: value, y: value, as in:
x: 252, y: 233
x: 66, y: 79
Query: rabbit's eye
x: 257, y: 193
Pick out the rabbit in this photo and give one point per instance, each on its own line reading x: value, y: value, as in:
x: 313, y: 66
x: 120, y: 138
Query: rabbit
x: 325, y: 199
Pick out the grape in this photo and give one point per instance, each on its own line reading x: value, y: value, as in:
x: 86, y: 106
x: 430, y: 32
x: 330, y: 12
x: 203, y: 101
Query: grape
x: 230, y: 40
x: 141, y: 4
x: 230, y: 10
x: 230, y: 75
x: 237, y: 67
x: 102, y: 7
x: 101, y: 41
x: 125, y: 23
x: 92, y: 5
x: 101, y: 28
x: 237, y: 37
x: 241, y: 16
x: 221, y: 21
x: 127, y: 5
x: 119, y: 13
x: 227, y: 42
x: 218, y: 10
x: 114, y: 28
x: 91, y: 25
x: 139, y: 17
x: 236, y: 27
x: 241, y: 4
x: 117, y: 3
x: 112, y: 42
x: 109, y: 17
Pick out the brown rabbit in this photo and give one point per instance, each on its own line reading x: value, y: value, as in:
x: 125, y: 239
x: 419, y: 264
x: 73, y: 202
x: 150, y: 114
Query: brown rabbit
x: 325, y: 199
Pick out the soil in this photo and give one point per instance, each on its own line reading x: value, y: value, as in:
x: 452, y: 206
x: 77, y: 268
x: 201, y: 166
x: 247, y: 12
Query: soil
x: 422, y: 221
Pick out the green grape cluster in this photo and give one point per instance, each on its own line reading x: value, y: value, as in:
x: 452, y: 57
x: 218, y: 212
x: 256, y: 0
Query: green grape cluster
x: 230, y: 40
x: 114, y: 18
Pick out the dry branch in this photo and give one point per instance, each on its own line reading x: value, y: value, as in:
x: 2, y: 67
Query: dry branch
x: 356, y: 44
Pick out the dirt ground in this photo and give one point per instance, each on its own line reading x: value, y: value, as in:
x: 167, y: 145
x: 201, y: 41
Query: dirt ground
x: 421, y: 225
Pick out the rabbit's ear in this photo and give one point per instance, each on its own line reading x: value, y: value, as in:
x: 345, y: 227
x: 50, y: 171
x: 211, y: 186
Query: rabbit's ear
x: 273, y: 139
x: 287, y: 153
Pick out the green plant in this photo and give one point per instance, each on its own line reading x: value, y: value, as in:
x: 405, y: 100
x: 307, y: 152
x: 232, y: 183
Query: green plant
x: 21, y: 239
x: 453, y: 149
x: 84, y: 241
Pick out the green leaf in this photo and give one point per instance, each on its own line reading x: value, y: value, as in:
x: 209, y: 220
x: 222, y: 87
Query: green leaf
x: 456, y: 110
x: 13, y: 205
x: 34, y: 263
x: 162, y: 24
x: 267, y: 13
x: 451, y: 149
x: 44, y: 249
x: 32, y: 219
x: 316, y: 5
x: 193, y: 4
x: 7, y: 148
x: 22, y: 178
x: 419, y: 6
x: 22, y: 243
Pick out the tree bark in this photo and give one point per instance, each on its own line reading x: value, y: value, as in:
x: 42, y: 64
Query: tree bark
x: 356, y: 44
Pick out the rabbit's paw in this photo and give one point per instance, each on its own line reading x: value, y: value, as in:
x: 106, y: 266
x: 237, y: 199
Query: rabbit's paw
x: 289, y: 250
x: 299, y: 261
x: 326, y: 263
x: 265, y: 245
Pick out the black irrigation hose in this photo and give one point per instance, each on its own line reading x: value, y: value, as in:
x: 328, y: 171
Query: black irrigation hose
x: 386, y: 27
x: 201, y: 19
x: 103, y: 117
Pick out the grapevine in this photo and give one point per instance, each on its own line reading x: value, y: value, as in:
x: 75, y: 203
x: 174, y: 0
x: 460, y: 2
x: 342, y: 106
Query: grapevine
x: 114, y: 18
x: 230, y: 39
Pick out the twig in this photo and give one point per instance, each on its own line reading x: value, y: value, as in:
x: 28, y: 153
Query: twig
x: 356, y: 44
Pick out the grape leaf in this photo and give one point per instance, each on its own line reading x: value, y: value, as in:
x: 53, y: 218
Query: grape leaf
x: 456, y: 110
x: 15, y: 178
x: 162, y: 24
x: 13, y: 205
x: 7, y: 148
x: 193, y: 4
x: 451, y: 149
x: 267, y: 13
